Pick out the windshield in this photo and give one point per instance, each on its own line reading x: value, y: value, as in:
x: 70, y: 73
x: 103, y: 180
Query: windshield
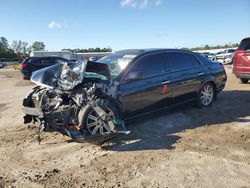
x: 119, y: 60
x: 245, y: 44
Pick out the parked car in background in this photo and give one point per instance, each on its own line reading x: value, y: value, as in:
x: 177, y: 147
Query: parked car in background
x: 241, y: 61
x: 122, y: 85
x: 225, y: 57
x: 31, y: 64
x: 209, y: 56
x: 1, y: 65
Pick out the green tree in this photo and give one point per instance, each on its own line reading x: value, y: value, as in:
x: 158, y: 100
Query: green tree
x: 4, y: 43
x: 38, y: 46
x: 17, y: 46
x: 206, y: 47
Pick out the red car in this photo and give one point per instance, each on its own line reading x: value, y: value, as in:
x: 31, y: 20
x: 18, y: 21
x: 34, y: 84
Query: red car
x: 241, y: 61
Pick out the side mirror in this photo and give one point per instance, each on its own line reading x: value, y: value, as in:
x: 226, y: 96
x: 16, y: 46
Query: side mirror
x: 132, y: 76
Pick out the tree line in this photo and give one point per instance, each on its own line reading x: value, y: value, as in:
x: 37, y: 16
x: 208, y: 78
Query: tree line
x: 207, y: 47
x: 78, y: 50
x: 21, y: 49
x: 18, y: 49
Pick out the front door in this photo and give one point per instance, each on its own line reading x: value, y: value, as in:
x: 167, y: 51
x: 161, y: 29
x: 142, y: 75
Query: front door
x: 149, y: 92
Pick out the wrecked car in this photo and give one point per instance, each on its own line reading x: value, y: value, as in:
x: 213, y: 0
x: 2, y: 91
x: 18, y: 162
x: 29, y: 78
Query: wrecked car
x: 91, y: 99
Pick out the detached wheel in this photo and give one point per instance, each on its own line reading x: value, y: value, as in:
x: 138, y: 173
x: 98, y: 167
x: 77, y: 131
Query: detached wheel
x: 90, y: 121
x: 243, y: 80
x: 206, y: 95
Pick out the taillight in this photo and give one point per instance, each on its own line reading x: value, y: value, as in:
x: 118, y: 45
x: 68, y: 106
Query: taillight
x: 239, y: 52
x: 23, y: 65
x: 223, y: 67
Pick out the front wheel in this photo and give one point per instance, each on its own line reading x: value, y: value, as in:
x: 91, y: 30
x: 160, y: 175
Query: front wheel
x: 243, y: 80
x: 206, y: 95
x: 90, y: 121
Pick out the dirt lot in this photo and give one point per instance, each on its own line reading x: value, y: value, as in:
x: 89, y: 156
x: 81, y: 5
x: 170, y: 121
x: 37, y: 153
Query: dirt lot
x: 182, y: 147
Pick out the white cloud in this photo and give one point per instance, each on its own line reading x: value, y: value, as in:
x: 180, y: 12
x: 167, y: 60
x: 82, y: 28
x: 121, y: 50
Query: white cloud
x: 128, y: 3
x: 143, y: 4
x: 54, y: 25
x: 157, y: 2
x: 66, y: 24
x: 140, y: 4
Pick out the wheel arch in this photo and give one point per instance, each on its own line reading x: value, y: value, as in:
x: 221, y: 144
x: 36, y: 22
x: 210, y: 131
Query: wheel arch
x: 106, y: 100
x: 116, y: 104
x: 213, y: 82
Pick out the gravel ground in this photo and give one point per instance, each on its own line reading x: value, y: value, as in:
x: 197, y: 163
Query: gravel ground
x: 182, y: 147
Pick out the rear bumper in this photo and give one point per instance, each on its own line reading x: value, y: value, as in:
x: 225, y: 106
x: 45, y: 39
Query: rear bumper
x: 219, y: 89
x: 246, y: 76
x: 26, y: 74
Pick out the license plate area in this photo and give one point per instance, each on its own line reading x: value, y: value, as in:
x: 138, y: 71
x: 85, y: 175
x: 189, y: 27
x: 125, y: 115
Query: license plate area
x: 32, y: 111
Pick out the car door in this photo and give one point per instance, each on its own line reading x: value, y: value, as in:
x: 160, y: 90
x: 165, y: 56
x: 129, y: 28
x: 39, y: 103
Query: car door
x: 150, y: 91
x: 186, y: 75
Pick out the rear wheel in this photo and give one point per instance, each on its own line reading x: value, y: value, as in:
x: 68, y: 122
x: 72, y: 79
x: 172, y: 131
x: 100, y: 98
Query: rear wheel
x: 243, y: 80
x: 206, y: 95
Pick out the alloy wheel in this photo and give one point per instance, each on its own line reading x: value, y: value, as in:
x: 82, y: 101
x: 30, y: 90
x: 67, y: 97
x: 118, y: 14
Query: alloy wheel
x: 207, y: 94
x: 96, y: 125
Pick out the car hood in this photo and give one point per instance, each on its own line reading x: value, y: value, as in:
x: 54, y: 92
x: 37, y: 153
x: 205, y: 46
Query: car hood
x: 225, y: 54
x: 66, y: 76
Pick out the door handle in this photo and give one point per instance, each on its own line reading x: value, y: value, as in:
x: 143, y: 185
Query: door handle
x: 201, y: 74
x: 166, y: 82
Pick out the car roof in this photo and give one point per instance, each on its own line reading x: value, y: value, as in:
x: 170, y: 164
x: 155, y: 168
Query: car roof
x: 246, y: 38
x: 45, y: 57
x: 148, y: 50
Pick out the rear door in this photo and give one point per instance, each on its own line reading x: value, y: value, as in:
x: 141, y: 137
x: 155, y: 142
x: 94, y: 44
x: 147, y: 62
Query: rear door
x: 186, y: 75
x: 149, y: 93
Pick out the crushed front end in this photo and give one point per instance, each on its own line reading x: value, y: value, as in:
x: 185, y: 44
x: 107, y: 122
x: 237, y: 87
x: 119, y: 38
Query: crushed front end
x: 68, y: 97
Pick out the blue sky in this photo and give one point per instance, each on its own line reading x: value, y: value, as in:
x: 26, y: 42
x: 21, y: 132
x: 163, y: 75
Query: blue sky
x: 122, y: 24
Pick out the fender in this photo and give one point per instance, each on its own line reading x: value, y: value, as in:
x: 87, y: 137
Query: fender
x: 116, y: 103
x: 206, y: 79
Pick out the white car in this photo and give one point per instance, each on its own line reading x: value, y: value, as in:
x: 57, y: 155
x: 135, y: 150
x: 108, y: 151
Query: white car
x: 225, y: 57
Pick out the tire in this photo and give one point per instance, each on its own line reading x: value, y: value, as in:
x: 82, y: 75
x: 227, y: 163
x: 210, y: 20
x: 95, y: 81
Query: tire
x: 26, y: 78
x: 91, y: 123
x: 206, y: 95
x: 243, y: 80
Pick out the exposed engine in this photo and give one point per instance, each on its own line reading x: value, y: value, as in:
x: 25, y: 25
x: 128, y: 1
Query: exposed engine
x: 63, y: 95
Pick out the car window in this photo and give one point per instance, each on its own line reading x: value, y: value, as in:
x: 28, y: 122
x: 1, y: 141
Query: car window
x: 34, y: 61
x: 231, y: 51
x: 180, y: 60
x: 245, y: 44
x: 60, y: 61
x: 150, y: 65
x: 45, y: 61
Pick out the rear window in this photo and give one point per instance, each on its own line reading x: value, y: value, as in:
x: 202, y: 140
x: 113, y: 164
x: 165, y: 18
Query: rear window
x: 33, y: 61
x: 231, y: 51
x: 46, y: 61
x: 245, y: 44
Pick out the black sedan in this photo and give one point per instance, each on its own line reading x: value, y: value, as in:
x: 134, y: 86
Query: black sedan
x: 128, y: 83
x: 152, y: 79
